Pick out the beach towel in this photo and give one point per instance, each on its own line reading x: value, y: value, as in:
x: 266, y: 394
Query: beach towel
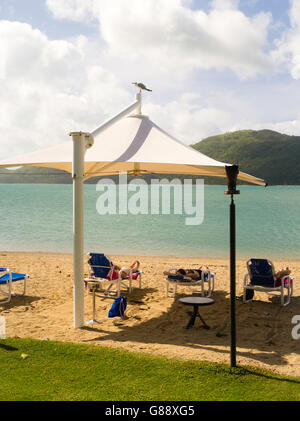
x: 113, y: 276
x: 285, y: 281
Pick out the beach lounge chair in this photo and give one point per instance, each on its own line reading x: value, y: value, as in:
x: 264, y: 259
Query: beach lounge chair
x: 261, y: 277
x: 7, y: 278
x: 196, y: 285
x: 102, y: 271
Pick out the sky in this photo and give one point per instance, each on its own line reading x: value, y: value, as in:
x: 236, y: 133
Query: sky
x: 214, y: 66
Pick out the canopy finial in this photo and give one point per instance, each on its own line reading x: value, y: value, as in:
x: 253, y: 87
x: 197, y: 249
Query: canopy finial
x: 141, y: 88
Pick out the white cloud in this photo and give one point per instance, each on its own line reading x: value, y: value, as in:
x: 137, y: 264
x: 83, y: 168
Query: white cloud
x: 28, y: 54
x: 169, y: 35
x: 190, y: 121
x: 49, y: 88
x: 224, y: 4
x: 289, y: 127
x: 288, y: 47
x: 76, y: 10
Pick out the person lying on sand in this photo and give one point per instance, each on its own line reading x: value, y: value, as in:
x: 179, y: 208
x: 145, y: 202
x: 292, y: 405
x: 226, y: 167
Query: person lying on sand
x: 191, y: 273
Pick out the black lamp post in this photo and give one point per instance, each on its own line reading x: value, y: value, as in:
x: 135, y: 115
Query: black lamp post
x: 232, y: 173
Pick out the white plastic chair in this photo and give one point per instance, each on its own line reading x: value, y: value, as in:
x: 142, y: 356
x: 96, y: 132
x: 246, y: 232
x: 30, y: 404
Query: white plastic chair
x: 261, y: 277
x: 196, y: 285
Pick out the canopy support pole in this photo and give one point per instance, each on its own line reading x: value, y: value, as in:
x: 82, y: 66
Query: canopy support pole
x: 81, y: 141
x: 232, y: 173
x: 135, y: 105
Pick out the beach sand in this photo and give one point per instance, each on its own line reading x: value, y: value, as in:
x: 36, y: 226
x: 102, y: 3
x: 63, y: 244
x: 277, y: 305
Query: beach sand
x: 156, y: 323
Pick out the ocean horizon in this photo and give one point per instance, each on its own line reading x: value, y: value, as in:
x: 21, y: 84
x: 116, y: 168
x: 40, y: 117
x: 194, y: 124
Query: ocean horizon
x: 39, y: 218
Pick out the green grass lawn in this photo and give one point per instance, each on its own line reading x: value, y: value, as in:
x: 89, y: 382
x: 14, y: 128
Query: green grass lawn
x: 57, y: 371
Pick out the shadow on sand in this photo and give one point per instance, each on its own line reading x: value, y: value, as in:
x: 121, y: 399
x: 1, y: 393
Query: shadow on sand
x: 263, y: 328
x: 19, y: 301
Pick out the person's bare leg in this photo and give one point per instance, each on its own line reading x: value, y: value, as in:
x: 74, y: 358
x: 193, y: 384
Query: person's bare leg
x: 167, y: 273
x: 282, y: 273
x: 135, y: 265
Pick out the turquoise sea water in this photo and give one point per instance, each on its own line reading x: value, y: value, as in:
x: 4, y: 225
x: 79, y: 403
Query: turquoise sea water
x: 38, y: 217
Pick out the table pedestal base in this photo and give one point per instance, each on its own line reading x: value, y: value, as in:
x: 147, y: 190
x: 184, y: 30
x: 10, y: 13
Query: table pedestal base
x: 196, y: 302
x: 193, y: 318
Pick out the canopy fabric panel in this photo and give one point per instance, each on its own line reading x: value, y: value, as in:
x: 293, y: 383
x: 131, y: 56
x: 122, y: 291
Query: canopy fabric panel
x: 134, y: 144
x: 137, y: 145
x: 58, y: 157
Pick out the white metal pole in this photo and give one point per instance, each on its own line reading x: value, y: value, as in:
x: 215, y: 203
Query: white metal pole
x: 81, y: 142
x: 113, y: 120
x: 79, y: 147
x: 139, y: 99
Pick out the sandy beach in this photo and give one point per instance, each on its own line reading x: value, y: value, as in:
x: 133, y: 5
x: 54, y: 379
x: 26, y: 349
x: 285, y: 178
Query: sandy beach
x: 154, y: 322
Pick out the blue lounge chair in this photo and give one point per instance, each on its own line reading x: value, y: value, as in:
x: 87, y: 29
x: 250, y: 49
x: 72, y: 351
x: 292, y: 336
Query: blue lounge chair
x: 7, y: 278
x: 261, y: 277
x: 102, y: 270
x: 196, y: 285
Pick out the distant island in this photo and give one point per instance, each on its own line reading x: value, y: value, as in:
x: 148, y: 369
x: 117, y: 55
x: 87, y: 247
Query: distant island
x: 267, y: 154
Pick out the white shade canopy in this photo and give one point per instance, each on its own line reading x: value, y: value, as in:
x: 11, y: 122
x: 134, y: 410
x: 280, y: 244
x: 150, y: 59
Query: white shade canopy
x: 134, y: 144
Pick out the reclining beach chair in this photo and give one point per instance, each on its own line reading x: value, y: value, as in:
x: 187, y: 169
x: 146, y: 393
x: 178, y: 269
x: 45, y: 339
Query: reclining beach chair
x: 7, y: 278
x: 196, y: 285
x: 261, y: 277
x: 102, y: 270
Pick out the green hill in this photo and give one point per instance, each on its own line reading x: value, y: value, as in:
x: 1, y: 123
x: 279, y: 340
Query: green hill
x: 35, y: 175
x: 266, y: 154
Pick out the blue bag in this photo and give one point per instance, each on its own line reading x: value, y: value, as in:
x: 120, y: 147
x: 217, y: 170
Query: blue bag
x: 118, y: 308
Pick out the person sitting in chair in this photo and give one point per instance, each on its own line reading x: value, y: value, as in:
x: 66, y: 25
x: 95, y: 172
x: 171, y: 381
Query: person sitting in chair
x: 125, y: 271
x: 282, y: 273
x: 278, y: 276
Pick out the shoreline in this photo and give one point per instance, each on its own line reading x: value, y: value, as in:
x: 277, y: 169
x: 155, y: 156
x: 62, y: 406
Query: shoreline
x: 163, y: 256
x: 154, y: 322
